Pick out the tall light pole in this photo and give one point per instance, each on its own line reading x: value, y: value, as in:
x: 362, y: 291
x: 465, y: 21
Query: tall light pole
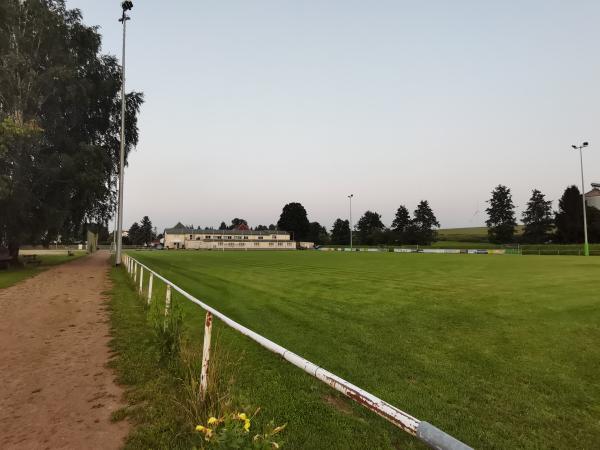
x: 586, y: 246
x: 126, y: 6
x: 350, y: 197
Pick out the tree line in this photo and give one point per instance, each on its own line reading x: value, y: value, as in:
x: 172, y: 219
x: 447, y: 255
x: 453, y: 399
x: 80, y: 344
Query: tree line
x: 540, y: 223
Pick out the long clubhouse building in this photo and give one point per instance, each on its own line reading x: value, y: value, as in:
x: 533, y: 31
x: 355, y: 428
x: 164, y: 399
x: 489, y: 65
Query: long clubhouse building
x: 182, y: 237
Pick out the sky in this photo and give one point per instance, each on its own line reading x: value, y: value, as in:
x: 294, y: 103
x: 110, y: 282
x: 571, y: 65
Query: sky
x: 254, y: 104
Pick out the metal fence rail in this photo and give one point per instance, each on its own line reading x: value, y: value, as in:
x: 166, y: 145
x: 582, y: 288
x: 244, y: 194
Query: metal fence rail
x: 427, y: 433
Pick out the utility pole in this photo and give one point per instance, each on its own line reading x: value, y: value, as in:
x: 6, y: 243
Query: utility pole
x: 350, y: 197
x: 126, y: 6
x: 586, y: 246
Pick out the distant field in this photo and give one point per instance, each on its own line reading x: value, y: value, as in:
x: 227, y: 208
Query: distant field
x: 471, y: 234
x: 500, y: 351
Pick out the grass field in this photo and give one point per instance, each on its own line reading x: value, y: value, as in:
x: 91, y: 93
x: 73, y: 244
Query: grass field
x: 499, y: 351
x: 13, y: 275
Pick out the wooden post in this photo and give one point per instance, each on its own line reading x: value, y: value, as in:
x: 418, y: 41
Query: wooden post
x: 141, y: 280
x: 150, y: 280
x: 135, y: 270
x: 167, y: 304
x: 205, y: 355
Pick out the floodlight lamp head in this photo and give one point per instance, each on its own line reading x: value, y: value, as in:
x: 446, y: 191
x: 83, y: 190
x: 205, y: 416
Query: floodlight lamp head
x: 126, y: 5
x: 574, y: 146
x: 585, y: 144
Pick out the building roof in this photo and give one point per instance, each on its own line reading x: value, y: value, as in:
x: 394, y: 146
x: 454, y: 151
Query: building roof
x: 593, y: 193
x: 181, y: 229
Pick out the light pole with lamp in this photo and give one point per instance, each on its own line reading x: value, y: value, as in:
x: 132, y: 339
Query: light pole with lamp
x: 350, y: 197
x: 126, y: 6
x: 586, y: 246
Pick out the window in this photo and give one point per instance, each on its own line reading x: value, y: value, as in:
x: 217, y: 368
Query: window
x: 260, y: 237
x: 280, y: 244
x: 228, y: 237
x: 245, y: 237
x: 191, y: 236
x: 197, y: 238
x: 274, y: 236
x: 256, y: 244
x: 218, y: 237
x: 271, y: 244
x: 208, y: 237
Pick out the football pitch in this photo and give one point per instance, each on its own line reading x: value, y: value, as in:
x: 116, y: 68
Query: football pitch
x: 499, y: 351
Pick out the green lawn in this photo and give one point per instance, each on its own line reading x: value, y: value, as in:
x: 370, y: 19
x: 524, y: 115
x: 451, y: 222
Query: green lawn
x: 13, y: 275
x: 499, y: 351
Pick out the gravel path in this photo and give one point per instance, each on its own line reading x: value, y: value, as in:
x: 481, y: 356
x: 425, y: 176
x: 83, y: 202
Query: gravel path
x: 55, y: 389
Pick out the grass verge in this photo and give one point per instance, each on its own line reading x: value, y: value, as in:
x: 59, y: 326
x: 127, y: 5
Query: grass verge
x: 13, y: 275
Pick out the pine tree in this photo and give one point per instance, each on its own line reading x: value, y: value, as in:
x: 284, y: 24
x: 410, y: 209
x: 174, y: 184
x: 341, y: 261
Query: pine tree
x: 401, y: 223
x: 422, y: 226
x: 537, y: 219
x: 340, y: 233
x: 501, y: 216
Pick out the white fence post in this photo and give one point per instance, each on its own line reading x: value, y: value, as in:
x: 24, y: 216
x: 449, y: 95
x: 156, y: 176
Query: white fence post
x: 205, y: 354
x: 141, y: 280
x: 135, y: 271
x: 167, y: 304
x: 150, y: 287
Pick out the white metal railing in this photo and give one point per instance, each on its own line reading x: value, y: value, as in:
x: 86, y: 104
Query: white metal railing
x: 430, y: 435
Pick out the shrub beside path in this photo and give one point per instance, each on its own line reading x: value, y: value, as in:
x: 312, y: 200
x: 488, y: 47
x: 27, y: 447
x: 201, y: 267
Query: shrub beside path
x: 55, y: 388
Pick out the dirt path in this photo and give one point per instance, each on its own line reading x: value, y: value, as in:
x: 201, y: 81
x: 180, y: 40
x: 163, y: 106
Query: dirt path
x: 55, y: 390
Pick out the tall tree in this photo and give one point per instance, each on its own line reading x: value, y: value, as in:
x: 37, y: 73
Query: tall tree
x: 261, y: 228
x: 134, y: 234
x: 501, y: 216
x: 422, y: 227
x: 294, y: 219
x: 317, y: 234
x: 223, y: 226
x: 272, y: 227
x: 146, y: 232
x: 340, y: 233
x: 370, y: 228
x: 401, y: 223
x: 569, y: 217
x: 537, y: 219
x: 60, y: 122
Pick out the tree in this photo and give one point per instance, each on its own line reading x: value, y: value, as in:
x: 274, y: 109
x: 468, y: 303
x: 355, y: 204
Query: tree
x: 317, y: 234
x: 569, y: 218
x: 134, y: 234
x: 237, y: 223
x: 261, y: 228
x: 60, y: 123
x: 340, y: 233
x: 223, y: 226
x: 370, y: 228
x: 293, y: 219
x: 401, y: 223
x: 146, y: 233
x: 501, y: 216
x: 272, y: 227
x: 537, y: 219
x: 422, y: 227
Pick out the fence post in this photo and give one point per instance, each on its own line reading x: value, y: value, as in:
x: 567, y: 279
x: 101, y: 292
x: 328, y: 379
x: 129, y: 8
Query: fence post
x: 167, y: 304
x: 135, y: 271
x: 205, y: 355
x: 150, y: 287
x: 141, y: 280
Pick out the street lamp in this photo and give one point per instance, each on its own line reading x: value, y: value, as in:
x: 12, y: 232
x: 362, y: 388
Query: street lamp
x: 586, y: 247
x: 350, y: 197
x: 126, y: 6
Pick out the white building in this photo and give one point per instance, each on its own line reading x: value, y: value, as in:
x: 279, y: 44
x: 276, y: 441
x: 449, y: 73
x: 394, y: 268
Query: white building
x: 592, y: 198
x: 182, y: 237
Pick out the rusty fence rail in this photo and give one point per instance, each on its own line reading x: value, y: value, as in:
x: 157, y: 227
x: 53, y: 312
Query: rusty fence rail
x: 424, y: 431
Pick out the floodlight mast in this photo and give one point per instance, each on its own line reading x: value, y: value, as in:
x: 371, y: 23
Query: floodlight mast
x: 350, y: 197
x: 126, y: 6
x: 586, y: 246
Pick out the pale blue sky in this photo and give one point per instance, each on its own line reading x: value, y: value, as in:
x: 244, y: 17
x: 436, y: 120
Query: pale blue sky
x: 253, y: 104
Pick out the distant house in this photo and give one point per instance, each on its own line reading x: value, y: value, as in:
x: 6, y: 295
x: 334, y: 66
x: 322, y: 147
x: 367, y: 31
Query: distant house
x: 592, y: 198
x: 182, y: 237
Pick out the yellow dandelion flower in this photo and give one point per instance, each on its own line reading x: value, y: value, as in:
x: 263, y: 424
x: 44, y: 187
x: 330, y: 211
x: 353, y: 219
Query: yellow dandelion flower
x: 213, y: 420
x: 242, y: 416
x: 247, y: 424
x: 201, y: 428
